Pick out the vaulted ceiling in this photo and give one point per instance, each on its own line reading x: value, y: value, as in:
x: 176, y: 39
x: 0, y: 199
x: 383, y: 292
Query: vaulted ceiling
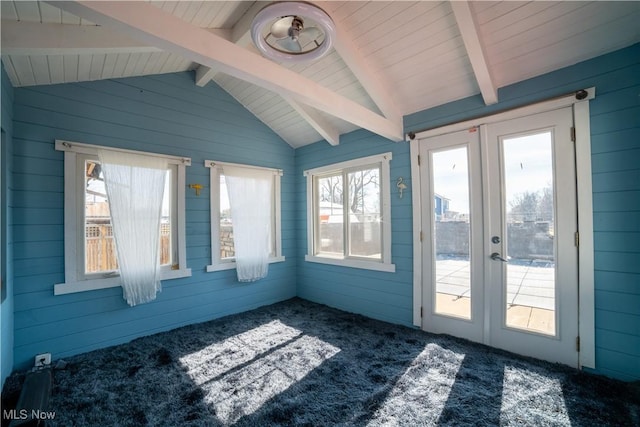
x: 390, y: 58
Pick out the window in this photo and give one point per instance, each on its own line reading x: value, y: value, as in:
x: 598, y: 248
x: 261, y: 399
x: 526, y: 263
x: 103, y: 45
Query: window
x: 222, y: 244
x: 88, y: 230
x: 348, y: 214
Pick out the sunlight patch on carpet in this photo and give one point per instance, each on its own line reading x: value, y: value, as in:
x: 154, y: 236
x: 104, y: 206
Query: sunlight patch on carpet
x: 424, y: 386
x: 220, y: 357
x: 534, y: 396
x: 241, y: 373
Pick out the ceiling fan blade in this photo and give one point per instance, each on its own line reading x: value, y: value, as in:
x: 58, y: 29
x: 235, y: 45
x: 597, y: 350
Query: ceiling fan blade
x: 308, y: 35
x: 280, y: 28
x: 289, y: 45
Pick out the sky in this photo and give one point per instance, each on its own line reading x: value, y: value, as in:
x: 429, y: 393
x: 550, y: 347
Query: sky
x: 528, y: 167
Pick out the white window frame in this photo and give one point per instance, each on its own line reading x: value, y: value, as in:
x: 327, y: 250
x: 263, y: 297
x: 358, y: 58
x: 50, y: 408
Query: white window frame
x: 75, y: 278
x: 384, y: 264
x: 217, y: 263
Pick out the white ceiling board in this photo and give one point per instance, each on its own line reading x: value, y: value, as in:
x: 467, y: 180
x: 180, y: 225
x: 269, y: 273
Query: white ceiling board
x: 56, y: 68
x: 206, y: 14
x: 545, y: 43
x: 28, y: 11
x: 8, y: 11
x: 408, y: 53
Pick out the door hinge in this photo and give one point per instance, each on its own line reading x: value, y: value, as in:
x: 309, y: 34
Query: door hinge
x: 573, y: 133
x: 421, y: 235
x: 421, y: 312
x: 577, y: 239
x: 418, y: 159
x: 578, y: 343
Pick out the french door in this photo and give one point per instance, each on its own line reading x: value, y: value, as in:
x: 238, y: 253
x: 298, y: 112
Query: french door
x: 499, y: 224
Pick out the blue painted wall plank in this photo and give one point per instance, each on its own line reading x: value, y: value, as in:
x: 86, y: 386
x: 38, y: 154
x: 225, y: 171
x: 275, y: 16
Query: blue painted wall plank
x: 616, y: 281
x: 616, y: 241
x: 618, y: 322
x: 618, y: 365
x: 6, y: 263
x: 165, y: 114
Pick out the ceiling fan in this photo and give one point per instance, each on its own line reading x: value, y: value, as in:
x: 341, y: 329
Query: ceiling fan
x: 293, y: 31
x: 291, y: 35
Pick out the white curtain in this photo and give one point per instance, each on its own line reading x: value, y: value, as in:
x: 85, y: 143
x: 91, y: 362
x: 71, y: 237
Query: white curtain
x: 250, y: 195
x: 135, y: 188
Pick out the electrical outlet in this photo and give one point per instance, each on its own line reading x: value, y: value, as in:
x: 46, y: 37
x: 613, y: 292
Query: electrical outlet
x: 43, y: 359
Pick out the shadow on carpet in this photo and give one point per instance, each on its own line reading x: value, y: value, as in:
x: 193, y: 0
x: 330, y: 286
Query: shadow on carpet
x: 304, y: 364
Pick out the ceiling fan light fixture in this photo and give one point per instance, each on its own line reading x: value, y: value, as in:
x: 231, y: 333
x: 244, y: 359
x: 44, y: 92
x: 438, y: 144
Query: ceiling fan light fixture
x: 293, y: 32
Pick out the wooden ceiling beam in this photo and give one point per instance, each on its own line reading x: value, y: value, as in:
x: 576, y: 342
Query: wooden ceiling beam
x: 155, y: 27
x: 473, y: 44
x: 35, y: 38
x: 319, y: 123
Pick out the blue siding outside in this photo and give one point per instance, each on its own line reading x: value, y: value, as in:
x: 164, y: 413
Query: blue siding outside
x: 6, y: 266
x: 164, y: 114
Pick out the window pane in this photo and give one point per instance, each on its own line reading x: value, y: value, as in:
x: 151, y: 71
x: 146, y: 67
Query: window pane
x: 100, y: 250
x: 451, y: 219
x: 100, y: 255
x: 528, y: 181
x: 330, y: 215
x: 227, y: 249
x: 166, y: 236
x: 364, y: 209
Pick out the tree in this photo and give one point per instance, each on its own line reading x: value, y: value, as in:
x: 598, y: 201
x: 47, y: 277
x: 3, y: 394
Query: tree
x: 545, y: 205
x: 532, y: 206
x: 524, y: 206
x: 361, y: 185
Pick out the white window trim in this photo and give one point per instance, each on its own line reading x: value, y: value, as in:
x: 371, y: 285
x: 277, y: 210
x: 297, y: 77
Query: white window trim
x: 73, y: 283
x: 218, y: 264
x: 586, y: 287
x: 385, y: 194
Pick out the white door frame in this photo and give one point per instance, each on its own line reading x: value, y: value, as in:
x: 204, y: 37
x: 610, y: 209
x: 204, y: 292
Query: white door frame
x: 586, y: 303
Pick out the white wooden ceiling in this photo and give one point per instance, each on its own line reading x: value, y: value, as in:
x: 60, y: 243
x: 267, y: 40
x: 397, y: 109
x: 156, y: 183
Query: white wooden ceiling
x: 391, y: 58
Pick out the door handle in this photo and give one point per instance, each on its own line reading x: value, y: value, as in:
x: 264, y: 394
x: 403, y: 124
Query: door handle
x: 496, y: 257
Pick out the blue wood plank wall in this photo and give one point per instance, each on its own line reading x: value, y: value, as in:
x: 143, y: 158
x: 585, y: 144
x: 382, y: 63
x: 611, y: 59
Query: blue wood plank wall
x: 165, y: 114
x: 615, y: 124
x: 381, y: 295
x: 169, y: 114
x: 6, y: 307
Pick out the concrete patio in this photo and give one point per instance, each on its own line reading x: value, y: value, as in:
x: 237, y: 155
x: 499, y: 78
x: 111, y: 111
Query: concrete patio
x: 530, y: 293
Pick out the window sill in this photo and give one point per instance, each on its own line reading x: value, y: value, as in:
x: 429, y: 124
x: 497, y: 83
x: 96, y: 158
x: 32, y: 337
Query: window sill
x: 109, y: 282
x: 352, y: 263
x: 231, y: 265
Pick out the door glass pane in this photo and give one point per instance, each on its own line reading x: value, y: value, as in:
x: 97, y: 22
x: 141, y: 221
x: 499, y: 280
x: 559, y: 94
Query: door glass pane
x: 365, y: 213
x: 330, y: 216
x: 529, y: 197
x: 452, y: 232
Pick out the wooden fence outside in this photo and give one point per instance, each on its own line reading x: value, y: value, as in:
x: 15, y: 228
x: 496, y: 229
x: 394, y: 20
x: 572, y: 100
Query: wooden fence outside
x: 100, y: 248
